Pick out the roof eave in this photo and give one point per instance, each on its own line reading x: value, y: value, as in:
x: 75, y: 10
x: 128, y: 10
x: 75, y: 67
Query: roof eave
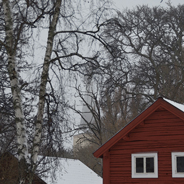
x: 124, y: 131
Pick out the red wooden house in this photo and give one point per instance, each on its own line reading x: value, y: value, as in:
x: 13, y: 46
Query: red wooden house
x: 150, y: 149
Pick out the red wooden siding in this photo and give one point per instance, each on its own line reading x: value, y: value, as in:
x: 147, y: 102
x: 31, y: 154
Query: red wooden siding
x: 161, y: 132
x: 106, y: 168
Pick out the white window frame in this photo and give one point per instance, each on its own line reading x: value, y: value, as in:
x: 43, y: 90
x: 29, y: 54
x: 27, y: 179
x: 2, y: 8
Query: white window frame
x: 175, y: 174
x: 144, y: 175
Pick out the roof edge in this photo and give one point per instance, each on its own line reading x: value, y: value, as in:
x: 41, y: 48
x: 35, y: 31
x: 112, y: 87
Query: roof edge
x: 130, y: 126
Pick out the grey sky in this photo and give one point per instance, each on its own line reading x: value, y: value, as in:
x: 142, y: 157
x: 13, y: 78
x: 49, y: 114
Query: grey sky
x: 121, y: 4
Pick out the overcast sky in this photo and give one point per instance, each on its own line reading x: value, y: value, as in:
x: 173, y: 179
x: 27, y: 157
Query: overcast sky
x: 121, y: 4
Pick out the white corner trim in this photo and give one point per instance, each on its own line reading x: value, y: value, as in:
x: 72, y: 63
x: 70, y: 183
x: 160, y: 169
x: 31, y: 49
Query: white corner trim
x: 175, y: 174
x: 144, y: 175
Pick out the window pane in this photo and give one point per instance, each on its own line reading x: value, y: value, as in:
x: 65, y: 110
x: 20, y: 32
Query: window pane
x: 180, y: 164
x: 150, y: 165
x: 139, y: 165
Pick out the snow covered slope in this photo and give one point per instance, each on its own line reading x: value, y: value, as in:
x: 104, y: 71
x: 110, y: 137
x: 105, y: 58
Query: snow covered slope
x: 74, y: 172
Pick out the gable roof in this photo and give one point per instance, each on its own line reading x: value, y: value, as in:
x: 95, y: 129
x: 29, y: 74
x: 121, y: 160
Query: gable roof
x: 74, y: 171
x: 173, y: 107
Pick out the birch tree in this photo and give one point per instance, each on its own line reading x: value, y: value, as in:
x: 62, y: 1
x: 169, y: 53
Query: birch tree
x: 66, y: 34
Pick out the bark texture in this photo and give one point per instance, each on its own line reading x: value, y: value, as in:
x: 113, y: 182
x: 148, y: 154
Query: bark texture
x: 16, y: 94
x: 44, y: 77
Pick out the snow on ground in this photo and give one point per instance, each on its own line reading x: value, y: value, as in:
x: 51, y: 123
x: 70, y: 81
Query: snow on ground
x: 74, y: 172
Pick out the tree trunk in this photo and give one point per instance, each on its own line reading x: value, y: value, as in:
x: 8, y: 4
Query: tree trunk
x: 44, y: 77
x: 16, y: 95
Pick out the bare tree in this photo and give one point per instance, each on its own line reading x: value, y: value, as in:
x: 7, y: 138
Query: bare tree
x: 38, y: 106
x: 151, y: 39
x: 101, y: 118
x: 144, y: 61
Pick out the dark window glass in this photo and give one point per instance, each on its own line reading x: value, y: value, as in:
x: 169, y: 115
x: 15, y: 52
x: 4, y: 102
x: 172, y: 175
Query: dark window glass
x: 139, y: 165
x: 150, y: 165
x: 180, y: 164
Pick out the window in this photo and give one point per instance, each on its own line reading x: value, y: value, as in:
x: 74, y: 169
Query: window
x: 177, y: 164
x: 145, y: 165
